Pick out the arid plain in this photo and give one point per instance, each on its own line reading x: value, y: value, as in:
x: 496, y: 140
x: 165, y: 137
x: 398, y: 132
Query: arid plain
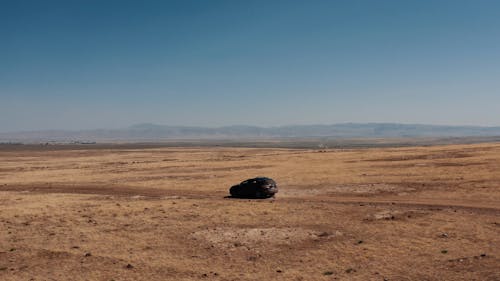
x: 160, y: 213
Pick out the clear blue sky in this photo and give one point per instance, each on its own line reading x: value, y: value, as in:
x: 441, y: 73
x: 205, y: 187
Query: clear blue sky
x: 110, y: 64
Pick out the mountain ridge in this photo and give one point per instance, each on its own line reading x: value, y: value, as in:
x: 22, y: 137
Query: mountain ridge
x: 156, y: 132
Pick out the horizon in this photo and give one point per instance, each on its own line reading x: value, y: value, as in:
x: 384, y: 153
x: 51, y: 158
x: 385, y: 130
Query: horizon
x: 242, y: 125
x: 84, y: 65
x: 136, y: 126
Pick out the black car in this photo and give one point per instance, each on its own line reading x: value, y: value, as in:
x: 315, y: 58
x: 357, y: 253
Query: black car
x: 260, y: 187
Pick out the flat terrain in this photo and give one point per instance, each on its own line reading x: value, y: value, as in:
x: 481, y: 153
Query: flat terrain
x: 135, y: 213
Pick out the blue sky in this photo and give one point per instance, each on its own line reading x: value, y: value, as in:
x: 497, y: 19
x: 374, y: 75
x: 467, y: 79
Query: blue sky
x: 110, y: 64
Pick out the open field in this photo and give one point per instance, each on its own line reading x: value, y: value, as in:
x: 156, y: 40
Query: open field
x: 159, y: 213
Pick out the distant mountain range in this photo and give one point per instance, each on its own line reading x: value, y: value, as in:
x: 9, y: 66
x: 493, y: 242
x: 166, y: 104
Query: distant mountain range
x: 153, y: 132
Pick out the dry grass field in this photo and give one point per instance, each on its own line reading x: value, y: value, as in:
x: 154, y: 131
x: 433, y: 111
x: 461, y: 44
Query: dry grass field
x: 135, y: 213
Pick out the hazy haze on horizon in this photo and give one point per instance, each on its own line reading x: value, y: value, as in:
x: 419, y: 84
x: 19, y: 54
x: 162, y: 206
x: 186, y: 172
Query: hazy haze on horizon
x: 112, y: 64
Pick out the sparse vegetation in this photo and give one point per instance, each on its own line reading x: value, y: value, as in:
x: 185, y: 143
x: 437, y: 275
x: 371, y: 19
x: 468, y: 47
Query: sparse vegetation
x: 156, y: 213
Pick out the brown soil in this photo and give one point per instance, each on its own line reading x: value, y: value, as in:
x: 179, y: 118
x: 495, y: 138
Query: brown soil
x: 135, y: 213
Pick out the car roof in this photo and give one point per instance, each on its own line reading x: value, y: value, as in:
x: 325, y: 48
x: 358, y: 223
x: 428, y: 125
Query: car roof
x: 260, y: 179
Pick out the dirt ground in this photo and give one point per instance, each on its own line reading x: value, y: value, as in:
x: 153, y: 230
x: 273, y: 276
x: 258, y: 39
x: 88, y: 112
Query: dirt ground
x: 418, y: 213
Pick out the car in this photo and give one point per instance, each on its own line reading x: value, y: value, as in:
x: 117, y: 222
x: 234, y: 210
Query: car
x: 255, y: 188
